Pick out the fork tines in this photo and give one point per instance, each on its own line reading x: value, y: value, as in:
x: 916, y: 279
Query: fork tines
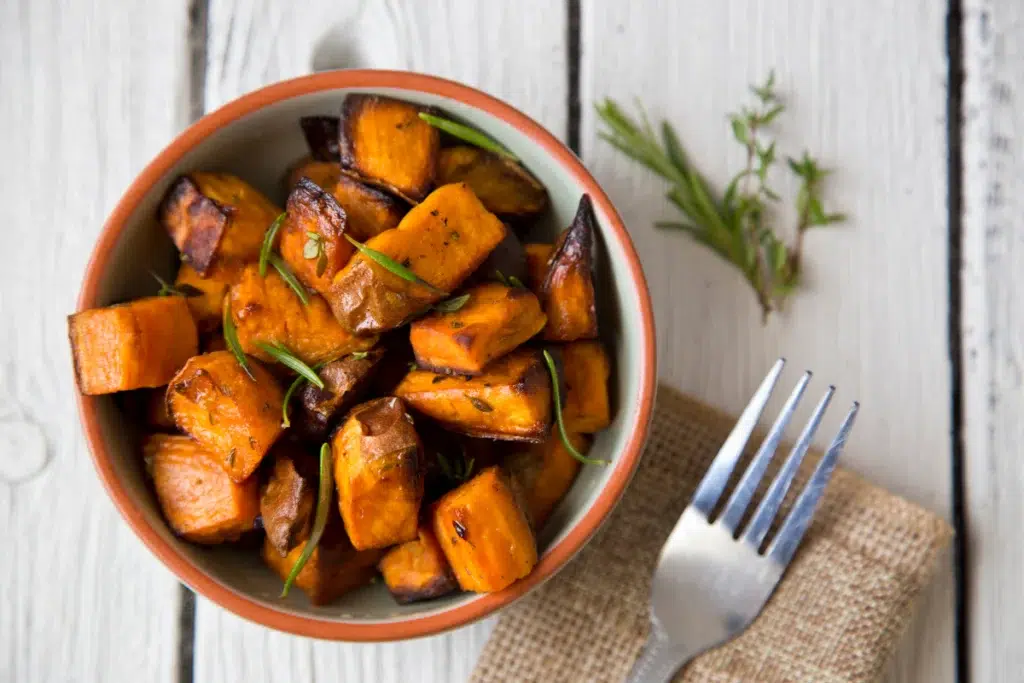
x: 714, y: 483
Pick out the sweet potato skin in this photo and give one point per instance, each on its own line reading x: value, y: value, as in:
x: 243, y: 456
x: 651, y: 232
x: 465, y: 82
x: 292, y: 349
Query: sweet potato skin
x: 370, y: 211
x: 323, y: 173
x: 495, y: 320
x: 537, y: 257
x: 379, y: 474
x: 321, y: 133
x: 267, y: 310
x: 135, y: 345
x: 586, y: 369
x: 313, y: 211
x: 234, y: 417
x: 417, y: 570
x: 544, y: 474
x: 195, y: 222
x: 208, y: 307
x: 509, y: 400
x: 568, y: 288
x: 385, y: 143
x: 345, y: 380
x: 199, y: 500
x: 288, y: 501
x: 504, y: 187
x: 484, y: 533
x: 442, y: 240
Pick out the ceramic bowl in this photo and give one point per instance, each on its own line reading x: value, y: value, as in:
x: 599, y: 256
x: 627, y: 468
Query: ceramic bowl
x: 257, y: 137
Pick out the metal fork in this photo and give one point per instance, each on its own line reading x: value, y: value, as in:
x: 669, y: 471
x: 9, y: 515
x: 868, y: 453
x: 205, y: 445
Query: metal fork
x: 711, y: 583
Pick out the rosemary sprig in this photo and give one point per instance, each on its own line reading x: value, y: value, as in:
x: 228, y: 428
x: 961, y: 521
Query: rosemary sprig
x: 391, y: 265
x: 289, y: 277
x: 456, y: 471
x: 314, y: 249
x: 453, y: 304
x: 323, y: 506
x: 470, y: 135
x: 738, y: 224
x: 268, y: 242
x: 557, y: 395
x: 167, y: 289
x: 510, y: 281
x: 292, y: 388
x: 231, y: 340
x: 282, y: 355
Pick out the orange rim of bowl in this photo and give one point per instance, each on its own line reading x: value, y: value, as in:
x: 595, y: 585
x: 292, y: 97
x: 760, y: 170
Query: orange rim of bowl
x: 416, y: 625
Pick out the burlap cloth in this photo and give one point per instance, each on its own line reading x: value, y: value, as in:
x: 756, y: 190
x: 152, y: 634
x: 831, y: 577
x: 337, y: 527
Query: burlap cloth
x: 837, y: 615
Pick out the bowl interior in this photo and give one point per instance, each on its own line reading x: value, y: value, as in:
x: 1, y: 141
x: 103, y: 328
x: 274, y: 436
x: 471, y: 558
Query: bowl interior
x: 259, y: 147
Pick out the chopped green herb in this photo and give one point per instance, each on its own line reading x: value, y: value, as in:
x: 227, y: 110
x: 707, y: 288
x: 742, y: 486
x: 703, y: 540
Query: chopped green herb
x: 453, y: 304
x: 231, y: 340
x: 314, y: 249
x: 282, y: 355
x: 323, y: 507
x: 167, y: 289
x: 391, y: 265
x: 516, y: 282
x: 359, y: 355
x: 556, y: 395
x: 470, y: 135
x: 268, y: 242
x: 288, y: 276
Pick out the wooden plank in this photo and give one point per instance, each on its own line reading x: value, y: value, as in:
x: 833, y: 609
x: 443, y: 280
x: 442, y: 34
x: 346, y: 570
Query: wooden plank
x: 992, y: 318
x: 252, y: 44
x: 91, y: 93
x: 867, y: 95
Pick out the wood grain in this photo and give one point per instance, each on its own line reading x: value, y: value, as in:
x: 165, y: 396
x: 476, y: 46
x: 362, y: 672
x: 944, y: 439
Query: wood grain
x: 252, y: 44
x: 91, y: 92
x: 867, y: 96
x: 993, y: 316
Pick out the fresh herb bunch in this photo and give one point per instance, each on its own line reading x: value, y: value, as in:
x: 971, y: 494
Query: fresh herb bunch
x: 738, y: 224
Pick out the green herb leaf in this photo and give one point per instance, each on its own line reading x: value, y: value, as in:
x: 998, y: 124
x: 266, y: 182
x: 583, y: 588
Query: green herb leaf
x: 501, y: 277
x: 231, y: 340
x: 392, y: 266
x: 516, y: 282
x: 452, y: 305
x: 167, y: 289
x: 480, y: 404
x: 470, y: 135
x: 323, y: 507
x: 268, y: 242
x: 359, y: 355
x: 282, y: 355
x: 292, y: 388
x: 557, y: 398
x: 311, y: 249
x: 288, y: 276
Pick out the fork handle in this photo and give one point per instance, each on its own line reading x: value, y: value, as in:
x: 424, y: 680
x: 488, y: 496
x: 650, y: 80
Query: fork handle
x: 659, y: 660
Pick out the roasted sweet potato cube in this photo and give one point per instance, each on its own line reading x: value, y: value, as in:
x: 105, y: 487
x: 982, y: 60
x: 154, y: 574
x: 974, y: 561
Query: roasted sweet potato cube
x: 385, y: 142
x: 267, y: 310
x: 208, y: 305
x: 235, y: 417
x: 503, y: 185
x: 321, y: 133
x: 537, y: 257
x: 134, y: 345
x: 495, y: 320
x: 345, y: 381
x: 312, y: 240
x: 288, y: 500
x: 323, y: 173
x: 417, y: 570
x: 200, y: 502
x: 485, y: 534
x: 568, y: 288
x: 586, y: 369
x: 379, y: 473
x: 333, y: 569
x: 442, y: 240
x: 510, y: 399
x: 216, y: 218
x: 544, y: 474
x: 370, y: 211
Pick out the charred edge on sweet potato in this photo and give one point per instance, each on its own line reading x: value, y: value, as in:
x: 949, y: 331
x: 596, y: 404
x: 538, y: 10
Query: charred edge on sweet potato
x: 503, y: 185
x: 195, y: 223
x: 312, y: 210
x: 568, y: 288
x: 321, y: 133
x: 345, y: 381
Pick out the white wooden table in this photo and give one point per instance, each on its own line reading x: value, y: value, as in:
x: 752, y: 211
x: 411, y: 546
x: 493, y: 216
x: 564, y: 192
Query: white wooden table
x: 911, y: 305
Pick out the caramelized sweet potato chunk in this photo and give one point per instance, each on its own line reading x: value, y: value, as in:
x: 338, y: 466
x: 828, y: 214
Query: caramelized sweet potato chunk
x: 233, y: 416
x: 586, y: 369
x: 333, y: 569
x: 216, y: 217
x: 370, y: 211
x: 495, y: 320
x: 503, y: 185
x: 379, y: 474
x: 288, y: 501
x: 321, y: 134
x: 345, y: 381
x: 568, y: 288
x: 267, y: 310
x: 417, y: 570
x: 484, y: 533
x: 207, y: 306
x: 545, y: 473
x: 134, y: 345
x: 385, y: 142
x: 312, y: 241
x: 510, y: 399
x: 442, y: 240
x: 537, y: 257
x: 199, y: 500
x: 323, y: 173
